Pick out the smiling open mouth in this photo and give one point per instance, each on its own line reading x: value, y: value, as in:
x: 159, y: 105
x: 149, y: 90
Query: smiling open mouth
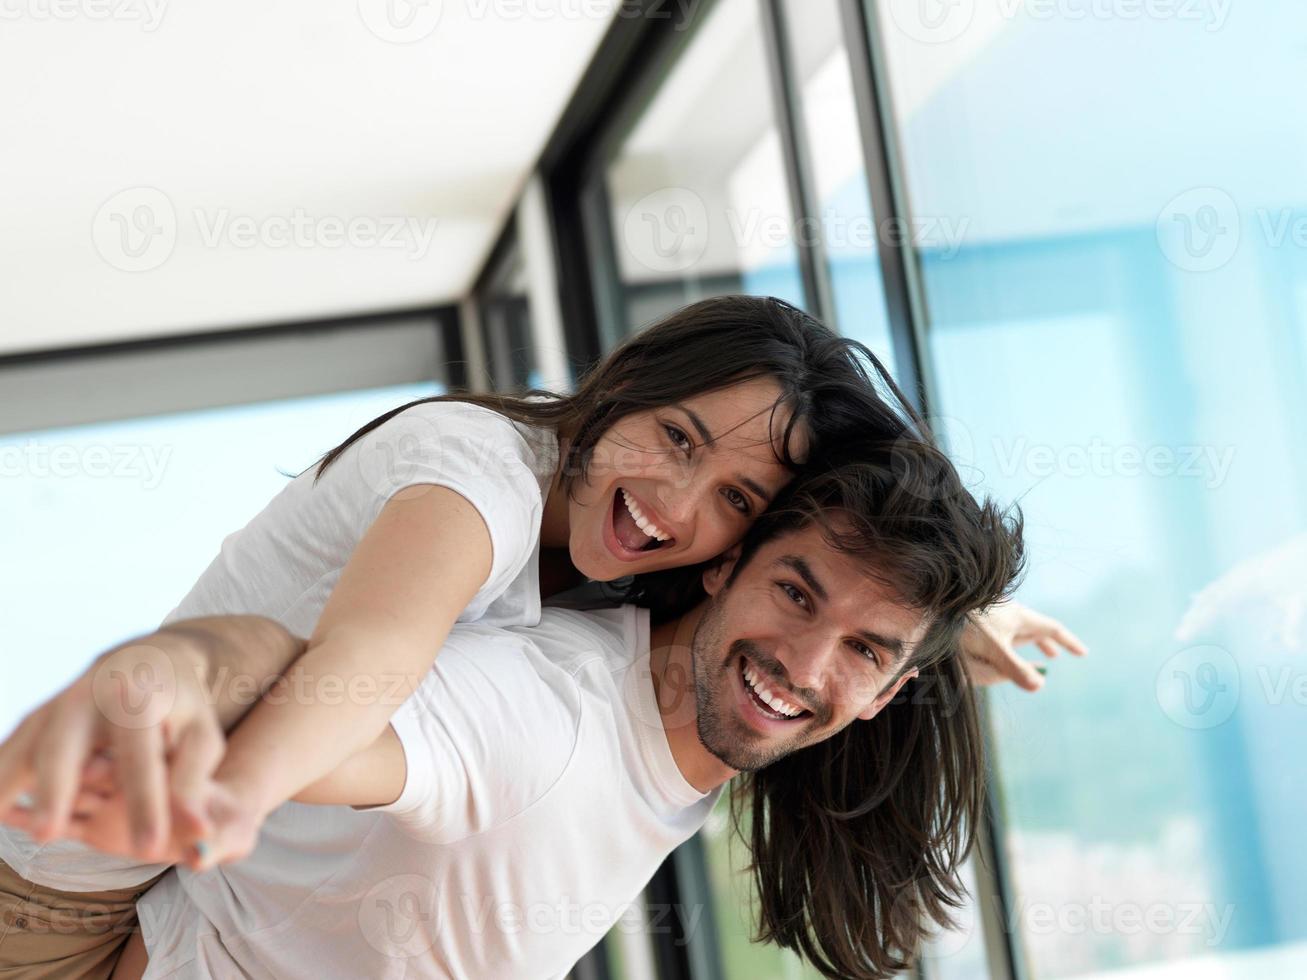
x: 768, y: 702
x: 634, y: 530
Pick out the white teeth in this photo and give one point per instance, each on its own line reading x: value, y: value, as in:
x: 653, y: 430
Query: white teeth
x: 642, y: 522
x: 767, y: 695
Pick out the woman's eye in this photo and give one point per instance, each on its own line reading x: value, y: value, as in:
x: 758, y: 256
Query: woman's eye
x: 738, y: 500
x: 679, y: 439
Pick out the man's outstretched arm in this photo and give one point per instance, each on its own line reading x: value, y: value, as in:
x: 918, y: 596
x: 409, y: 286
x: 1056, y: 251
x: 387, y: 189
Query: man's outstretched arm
x: 159, y: 705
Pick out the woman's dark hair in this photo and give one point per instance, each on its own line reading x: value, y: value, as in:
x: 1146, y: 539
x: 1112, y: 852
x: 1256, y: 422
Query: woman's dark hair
x: 856, y: 842
x: 830, y: 383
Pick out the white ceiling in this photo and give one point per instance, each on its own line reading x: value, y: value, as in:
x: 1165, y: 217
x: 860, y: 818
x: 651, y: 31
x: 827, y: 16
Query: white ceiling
x: 171, y: 168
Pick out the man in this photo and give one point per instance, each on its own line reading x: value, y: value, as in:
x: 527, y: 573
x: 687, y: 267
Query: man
x: 543, y: 770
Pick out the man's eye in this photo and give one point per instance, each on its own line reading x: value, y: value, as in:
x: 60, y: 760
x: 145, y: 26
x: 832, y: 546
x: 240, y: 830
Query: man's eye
x: 797, y: 597
x: 866, y: 651
x: 679, y: 439
x: 738, y: 500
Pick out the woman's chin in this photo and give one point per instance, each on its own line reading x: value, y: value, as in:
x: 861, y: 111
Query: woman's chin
x: 595, y: 563
x: 605, y: 568
x: 599, y: 564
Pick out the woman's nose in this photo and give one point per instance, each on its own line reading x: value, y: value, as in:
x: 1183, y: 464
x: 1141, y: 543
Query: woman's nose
x: 681, y: 503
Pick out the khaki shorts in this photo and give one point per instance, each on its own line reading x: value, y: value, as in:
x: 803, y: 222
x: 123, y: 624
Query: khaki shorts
x: 46, y: 934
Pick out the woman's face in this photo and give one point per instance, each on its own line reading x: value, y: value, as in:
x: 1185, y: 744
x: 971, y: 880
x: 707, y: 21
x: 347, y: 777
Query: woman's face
x: 680, y: 484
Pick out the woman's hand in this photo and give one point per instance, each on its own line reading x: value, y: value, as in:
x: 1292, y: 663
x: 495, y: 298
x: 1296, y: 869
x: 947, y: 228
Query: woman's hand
x: 990, y: 639
x: 146, y: 705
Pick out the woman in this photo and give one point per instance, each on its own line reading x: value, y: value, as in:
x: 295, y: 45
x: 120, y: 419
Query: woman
x: 469, y: 509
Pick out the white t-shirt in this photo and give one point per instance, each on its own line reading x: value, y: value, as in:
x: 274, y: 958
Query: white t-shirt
x: 541, y: 796
x: 285, y: 562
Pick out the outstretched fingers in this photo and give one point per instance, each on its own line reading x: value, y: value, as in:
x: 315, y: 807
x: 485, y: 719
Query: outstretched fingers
x: 61, y: 751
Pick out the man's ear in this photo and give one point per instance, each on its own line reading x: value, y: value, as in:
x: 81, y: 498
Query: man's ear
x: 886, y: 696
x: 716, y: 574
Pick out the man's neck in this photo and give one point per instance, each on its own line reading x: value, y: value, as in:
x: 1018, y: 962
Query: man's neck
x: 672, y: 668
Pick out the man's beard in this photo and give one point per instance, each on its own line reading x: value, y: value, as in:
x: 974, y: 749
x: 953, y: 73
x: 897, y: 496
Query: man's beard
x: 727, y: 736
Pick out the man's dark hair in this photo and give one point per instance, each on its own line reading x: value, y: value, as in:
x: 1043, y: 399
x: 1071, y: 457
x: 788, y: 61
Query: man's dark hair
x: 857, y: 841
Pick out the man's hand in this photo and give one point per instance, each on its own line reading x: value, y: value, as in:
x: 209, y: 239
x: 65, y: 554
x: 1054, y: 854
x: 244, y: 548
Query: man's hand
x: 146, y: 705
x: 990, y: 639
x: 100, y: 819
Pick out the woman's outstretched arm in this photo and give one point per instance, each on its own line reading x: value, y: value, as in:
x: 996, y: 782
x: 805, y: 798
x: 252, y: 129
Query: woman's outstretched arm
x: 418, y: 566
x: 991, y: 637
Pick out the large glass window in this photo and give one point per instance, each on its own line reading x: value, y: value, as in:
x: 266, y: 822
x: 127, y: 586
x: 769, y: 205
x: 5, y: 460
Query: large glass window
x: 106, y: 527
x: 696, y: 196
x: 735, y: 905
x: 842, y: 221
x: 1119, y: 342
x: 506, y: 324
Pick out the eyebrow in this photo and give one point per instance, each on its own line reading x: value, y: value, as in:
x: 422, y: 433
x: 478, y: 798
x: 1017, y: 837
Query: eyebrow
x: 753, y: 486
x: 704, y: 433
x: 800, y: 567
x: 892, y: 644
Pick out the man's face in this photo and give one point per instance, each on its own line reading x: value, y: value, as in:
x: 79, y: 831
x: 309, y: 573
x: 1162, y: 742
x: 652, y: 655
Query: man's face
x: 804, y: 626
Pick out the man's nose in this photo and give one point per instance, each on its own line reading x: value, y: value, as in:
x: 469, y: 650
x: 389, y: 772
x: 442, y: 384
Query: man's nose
x: 808, y: 656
